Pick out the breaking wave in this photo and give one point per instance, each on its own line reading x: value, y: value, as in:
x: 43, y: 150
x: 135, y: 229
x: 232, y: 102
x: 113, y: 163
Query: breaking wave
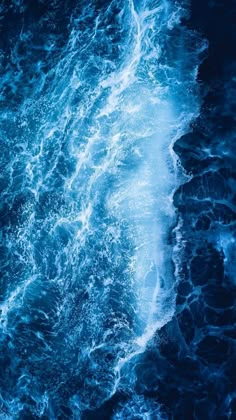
x: 89, y: 175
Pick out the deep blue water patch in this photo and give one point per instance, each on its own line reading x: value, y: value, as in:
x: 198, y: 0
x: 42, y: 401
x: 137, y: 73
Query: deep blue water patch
x: 117, y: 292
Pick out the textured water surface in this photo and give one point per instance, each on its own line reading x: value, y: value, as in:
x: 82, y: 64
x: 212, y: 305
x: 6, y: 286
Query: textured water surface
x: 94, y: 96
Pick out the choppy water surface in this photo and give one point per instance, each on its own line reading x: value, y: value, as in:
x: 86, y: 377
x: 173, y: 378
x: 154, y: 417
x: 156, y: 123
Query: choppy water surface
x: 89, y: 116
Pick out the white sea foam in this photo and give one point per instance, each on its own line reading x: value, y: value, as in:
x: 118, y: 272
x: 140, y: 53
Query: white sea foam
x: 99, y: 164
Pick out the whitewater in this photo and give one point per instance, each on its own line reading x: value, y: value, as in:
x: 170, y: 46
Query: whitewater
x: 92, y: 257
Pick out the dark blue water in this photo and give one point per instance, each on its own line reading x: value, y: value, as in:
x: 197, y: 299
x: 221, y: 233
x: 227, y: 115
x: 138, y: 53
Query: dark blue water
x: 117, y: 212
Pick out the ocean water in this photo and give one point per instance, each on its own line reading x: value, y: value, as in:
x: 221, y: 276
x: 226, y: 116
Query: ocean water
x: 93, y: 97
